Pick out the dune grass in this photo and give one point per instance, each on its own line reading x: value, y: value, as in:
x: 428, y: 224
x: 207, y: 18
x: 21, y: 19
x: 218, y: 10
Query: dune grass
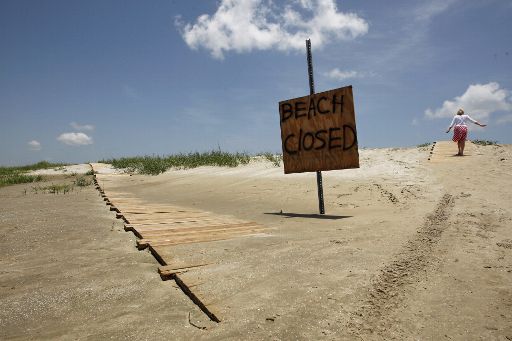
x: 485, y: 142
x: 34, y: 166
x: 18, y: 178
x: 64, y: 188
x: 274, y: 158
x: 17, y: 175
x: 53, y: 188
x: 155, y: 165
x: 82, y: 181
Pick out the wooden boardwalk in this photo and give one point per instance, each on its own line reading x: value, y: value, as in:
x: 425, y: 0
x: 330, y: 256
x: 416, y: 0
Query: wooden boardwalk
x: 445, y: 151
x: 181, y: 238
x: 162, y: 226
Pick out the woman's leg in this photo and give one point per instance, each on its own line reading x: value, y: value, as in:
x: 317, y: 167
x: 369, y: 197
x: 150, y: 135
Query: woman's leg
x: 463, y: 144
x: 459, y: 145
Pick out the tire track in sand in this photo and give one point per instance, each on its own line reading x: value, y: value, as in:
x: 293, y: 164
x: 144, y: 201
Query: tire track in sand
x: 388, y: 289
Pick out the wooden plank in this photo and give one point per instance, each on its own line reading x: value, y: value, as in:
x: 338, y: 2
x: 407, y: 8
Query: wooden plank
x: 127, y: 201
x: 192, y: 232
x: 142, y: 205
x: 204, y: 239
x: 151, y: 210
x: 173, y: 228
x: 199, y: 238
x: 445, y: 151
x: 167, y: 270
x: 208, y: 310
x: 203, y: 235
x: 170, y: 219
x: 166, y: 215
x: 318, y: 132
x: 143, y: 243
x: 165, y: 226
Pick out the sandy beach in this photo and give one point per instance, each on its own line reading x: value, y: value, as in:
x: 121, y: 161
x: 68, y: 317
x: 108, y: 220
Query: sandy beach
x: 409, y: 249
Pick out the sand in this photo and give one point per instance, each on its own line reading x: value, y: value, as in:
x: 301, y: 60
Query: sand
x: 79, y: 169
x: 408, y: 249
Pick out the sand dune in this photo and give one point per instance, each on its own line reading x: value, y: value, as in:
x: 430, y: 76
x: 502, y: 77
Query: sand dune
x: 410, y: 248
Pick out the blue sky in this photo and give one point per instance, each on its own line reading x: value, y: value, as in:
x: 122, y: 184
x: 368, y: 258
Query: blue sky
x: 86, y: 80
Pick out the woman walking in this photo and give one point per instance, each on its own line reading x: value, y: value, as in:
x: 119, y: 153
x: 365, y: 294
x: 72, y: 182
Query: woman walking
x: 460, y: 129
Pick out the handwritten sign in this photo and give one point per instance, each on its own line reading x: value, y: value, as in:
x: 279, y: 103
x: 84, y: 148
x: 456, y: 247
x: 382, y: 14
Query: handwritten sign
x: 318, y: 132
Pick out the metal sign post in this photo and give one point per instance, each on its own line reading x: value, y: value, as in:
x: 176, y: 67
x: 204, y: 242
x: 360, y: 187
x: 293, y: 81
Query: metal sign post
x: 312, y: 92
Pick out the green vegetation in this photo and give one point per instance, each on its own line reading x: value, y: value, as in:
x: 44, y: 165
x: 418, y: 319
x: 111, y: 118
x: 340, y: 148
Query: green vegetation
x: 155, y: 165
x: 423, y: 145
x: 35, y: 166
x: 17, y: 178
x: 17, y: 175
x: 53, y: 189
x: 64, y: 188
x: 485, y: 142
x: 82, y: 181
x: 274, y: 158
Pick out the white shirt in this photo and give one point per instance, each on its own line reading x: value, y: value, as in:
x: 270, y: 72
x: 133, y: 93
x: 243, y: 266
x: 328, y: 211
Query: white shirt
x: 460, y: 120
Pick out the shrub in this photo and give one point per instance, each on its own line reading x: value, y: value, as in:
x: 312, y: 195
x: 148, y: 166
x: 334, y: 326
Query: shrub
x: 485, y: 142
x: 18, y: 178
x: 82, y: 181
x: 274, y: 158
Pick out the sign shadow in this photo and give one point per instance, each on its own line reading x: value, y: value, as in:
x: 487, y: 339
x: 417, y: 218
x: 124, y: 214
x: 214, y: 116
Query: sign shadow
x: 309, y: 215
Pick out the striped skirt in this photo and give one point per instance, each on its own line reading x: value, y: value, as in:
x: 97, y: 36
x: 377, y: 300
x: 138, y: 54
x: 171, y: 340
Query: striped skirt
x: 460, y: 133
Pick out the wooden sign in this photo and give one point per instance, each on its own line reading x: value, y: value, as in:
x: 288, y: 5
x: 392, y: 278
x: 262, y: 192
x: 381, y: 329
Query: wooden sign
x: 318, y: 132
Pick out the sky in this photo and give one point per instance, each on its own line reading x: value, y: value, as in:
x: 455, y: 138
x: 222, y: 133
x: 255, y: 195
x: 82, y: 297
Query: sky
x: 88, y: 80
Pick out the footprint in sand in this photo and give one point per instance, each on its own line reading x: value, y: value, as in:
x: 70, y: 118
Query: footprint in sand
x: 506, y: 243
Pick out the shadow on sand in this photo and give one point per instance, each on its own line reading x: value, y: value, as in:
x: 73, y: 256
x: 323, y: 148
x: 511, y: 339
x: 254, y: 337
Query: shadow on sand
x: 313, y: 216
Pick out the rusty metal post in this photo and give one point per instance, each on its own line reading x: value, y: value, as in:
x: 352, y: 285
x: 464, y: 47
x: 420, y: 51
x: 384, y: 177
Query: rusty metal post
x: 312, y: 92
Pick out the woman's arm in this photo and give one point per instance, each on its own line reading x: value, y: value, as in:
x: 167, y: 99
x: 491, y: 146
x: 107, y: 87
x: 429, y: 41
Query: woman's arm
x: 476, y: 122
x: 451, y: 125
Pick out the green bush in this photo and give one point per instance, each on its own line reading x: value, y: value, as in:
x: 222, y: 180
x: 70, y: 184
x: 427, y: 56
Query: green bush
x: 53, y: 189
x: 82, y: 181
x: 274, y: 158
x: 155, y: 165
x: 18, y: 178
x: 17, y: 175
x: 485, y: 142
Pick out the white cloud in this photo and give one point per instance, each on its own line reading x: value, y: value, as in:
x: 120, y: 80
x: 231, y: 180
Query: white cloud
x: 246, y: 25
x: 34, y: 145
x: 75, y: 139
x: 479, y: 101
x: 86, y: 127
x: 427, y: 10
x: 403, y: 41
x: 341, y: 75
